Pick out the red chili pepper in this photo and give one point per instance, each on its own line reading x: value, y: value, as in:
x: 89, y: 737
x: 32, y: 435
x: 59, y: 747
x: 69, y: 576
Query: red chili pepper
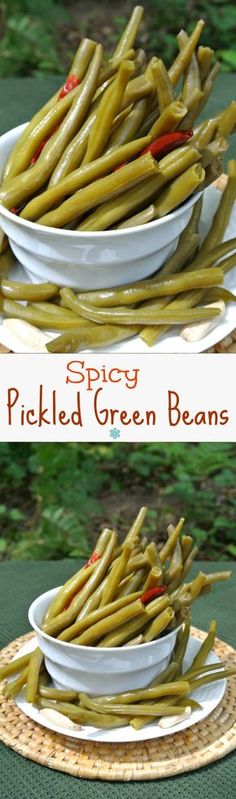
x: 164, y: 144
x: 41, y: 146
x: 71, y: 82
x: 152, y: 593
x: 95, y: 556
x: 15, y: 210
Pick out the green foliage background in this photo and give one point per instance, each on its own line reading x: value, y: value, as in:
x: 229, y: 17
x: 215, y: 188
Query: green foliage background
x: 54, y: 498
x: 39, y: 37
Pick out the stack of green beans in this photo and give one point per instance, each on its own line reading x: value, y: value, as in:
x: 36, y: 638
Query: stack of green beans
x: 187, y: 289
x: 166, y: 700
x: 63, y: 169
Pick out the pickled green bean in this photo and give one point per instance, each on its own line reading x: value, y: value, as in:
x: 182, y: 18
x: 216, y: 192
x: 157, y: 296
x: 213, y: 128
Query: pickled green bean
x: 91, y: 336
x: 82, y: 177
x: 129, y: 34
x: 162, y: 709
x: 12, y: 688
x: 146, y: 289
x: 107, y: 110
x: 183, y: 58
x: 165, y: 90
x: 67, y: 617
x: 99, y: 190
x: 179, y: 190
x: 82, y: 716
x: 28, y: 291
x: 204, y: 57
x: 158, y: 625
x: 62, y: 694
x: 170, y: 544
x: 34, y: 666
x: 95, y: 616
x: 223, y: 212
x: 169, y: 119
x: 147, y: 316
x: 109, y: 623
x: 15, y: 666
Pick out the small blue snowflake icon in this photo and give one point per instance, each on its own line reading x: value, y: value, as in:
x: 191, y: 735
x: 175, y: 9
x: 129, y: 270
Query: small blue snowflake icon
x: 114, y: 433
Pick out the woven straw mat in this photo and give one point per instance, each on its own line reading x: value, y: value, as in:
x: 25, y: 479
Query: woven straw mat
x: 204, y: 743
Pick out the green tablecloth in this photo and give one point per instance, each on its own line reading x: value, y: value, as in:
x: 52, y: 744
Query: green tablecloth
x: 21, y: 97
x: 20, y: 583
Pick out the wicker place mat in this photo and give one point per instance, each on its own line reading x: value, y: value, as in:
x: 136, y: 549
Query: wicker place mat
x: 204, y: 743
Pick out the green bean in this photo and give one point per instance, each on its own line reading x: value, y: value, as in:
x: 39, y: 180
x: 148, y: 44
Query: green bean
x: 153, y: 555
x: 67, y: 617
x: 15, y: 666
x: 227, y: 120
x: 52, y: 309
x: 208, y: 85
x: 107, y: 111
x: 135, y: 641
x: 153, y: 579
x: 169, y: 119
x: 137, y: 292
x: 34, y: 666
x: 179, y: 190
x: 28, y: 291
x: 109, y: 623
x: 159, y: 624
x: 93, y: 601
x: 211, y: 667
x: 116, y: 575
x: 145, y: 694
x: 183, y: 58
x: 188, y: 562
x: 62, y: 694
x: 72, y: 110
x: 195, y: 684
x: 22, y: 186
x: 162, y: 709
x: 91, y: 336
x: 128, y: 127
x: 170, y: 544
x: 135, y: 529
x: 12, y: 688
x: 142, y: 218
x: 82, y: 716
x: 82, y: 177
x: 176, y: 563
x: 165, y: 90
x: 137, y: 562
x: 77, y: 581
x: 127, y: 630
x: 169, y: 167
x: 204, y: 57
x: 131, y: 583
x: 219, y: 293
x: 95, y: 616
x: 223, y: 212
x: 205, y: 649
x: 213, y: 150
x: 205, y: 133
x: 215, y: 576
x: 112, y: 66
x: 147, y: 316
x: 194, y: 110
x: 181, y: 645
x: 78, y: 67
x: 12, y: 309
x: 105, y: 188
x: 186, y: 545
x: 192, y: 74
x: 128, y: 37
x: 80, y: 108
x: 7, y: 260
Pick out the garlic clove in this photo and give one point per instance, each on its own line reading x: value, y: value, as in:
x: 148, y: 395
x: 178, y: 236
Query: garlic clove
x: 30, y: 336
x: 170, y: 721
x: 58, y: 718
x: 198, y: 330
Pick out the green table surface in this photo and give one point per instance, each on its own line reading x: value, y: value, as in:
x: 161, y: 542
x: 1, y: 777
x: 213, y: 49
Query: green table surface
x: 21, y: 97
x: 20, y: 583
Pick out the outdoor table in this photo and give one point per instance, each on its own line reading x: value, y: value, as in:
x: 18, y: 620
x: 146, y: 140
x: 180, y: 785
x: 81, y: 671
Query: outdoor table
x: 20, y: 583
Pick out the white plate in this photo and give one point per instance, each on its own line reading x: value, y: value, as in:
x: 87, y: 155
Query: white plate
x: 171, y: 342
x: 208, y: 696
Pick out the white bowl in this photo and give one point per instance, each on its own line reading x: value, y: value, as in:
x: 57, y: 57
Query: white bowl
x: 96, y: 670
x: 96, y: 260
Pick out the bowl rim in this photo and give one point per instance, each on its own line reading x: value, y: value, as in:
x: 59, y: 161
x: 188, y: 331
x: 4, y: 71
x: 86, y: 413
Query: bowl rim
x: 75, y: 235
x: 84, y: 647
